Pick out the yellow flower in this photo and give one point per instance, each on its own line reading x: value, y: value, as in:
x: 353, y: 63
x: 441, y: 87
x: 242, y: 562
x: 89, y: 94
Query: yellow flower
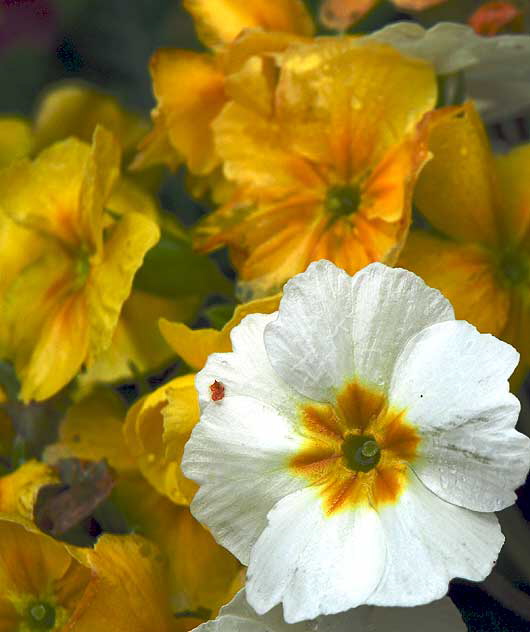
x: 67, y: 265
x: 479, y: 204
x: 16, y: 140
x: 202, y: 575
x: 324, y: 161
x: 45, y: 585
x: 192, y: 88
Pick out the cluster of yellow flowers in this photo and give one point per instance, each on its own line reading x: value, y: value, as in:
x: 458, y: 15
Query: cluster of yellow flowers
x: 309, y: 148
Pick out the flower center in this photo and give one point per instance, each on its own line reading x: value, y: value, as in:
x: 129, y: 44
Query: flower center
x: 515, y: 268
x: 82, y: 270
x: 41, y: 616
x: 343, y: 200
x: 361, y: 452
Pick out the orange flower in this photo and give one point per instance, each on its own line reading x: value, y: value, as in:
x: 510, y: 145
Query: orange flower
x: 191, y: 88
x: 341, y: 14
x: 324, y: 160
x: 494, y: 17
x: 479, y: 204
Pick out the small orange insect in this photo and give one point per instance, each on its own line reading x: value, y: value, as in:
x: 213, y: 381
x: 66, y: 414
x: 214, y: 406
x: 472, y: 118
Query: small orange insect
x: 217, y: 390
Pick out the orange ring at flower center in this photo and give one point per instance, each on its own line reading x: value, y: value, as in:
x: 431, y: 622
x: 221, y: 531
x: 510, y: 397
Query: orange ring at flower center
x: 360, y: 423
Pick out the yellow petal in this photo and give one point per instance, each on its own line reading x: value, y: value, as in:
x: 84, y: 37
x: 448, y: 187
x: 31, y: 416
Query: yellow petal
x: 156, y: 148
x: 65, y: 338
x: 202, y: 574
x: 194, y: 346
x: 44, y: 195
x: 92, y: 430
x: 513, y: 170
x: 18, y: 490
x: 100, y: 174
x: 16, y: 140
x: 74, y: 109
x: 137, y: 345
x: 157, y: 441
x: 456, y: 189
x: 465, y: 274
x: 344, y: 102
x: 516, y: 332
x: 128, y: 592
x: 34, y: 567
x: 111, y: 279
x: 221, y: 21
x: 189, y: 88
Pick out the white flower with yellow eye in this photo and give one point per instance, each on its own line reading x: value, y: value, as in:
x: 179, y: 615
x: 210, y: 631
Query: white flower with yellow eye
x: 362, y: 442
x: 238, y: 616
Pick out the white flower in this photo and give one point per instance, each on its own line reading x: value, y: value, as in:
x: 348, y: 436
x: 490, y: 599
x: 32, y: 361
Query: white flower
x: 364, y: 438
x: 238, y: 616
x: 496, y: 70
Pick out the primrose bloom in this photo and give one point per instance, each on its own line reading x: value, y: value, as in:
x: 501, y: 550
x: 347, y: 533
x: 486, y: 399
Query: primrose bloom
x: 67, y: 262
x: 323, y: 160
x: 363, y: 441
x: 479, y: 203
x: 441, y: 616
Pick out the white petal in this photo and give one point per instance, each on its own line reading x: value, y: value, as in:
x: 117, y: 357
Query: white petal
x: 332, y: 327
x: 247, y: 370
x: 452, y: 382
x: 315, y: 564
x: 440, y: 616
x: 239, y: 454
x: 429, y: 542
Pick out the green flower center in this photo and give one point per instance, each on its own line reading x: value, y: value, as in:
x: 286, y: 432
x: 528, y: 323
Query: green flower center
x: 82, y: 270
x: 40, y: 616
x: 515, y: 268
x: 343, y: 200
x: 361, y: 452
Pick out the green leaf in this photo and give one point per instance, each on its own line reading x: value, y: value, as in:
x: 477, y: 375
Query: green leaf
x: 172, y: 269
x: 219, y: 315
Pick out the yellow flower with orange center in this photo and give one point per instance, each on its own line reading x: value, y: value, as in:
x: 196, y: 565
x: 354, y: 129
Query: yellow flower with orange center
x: 67, y: 263
x: 324, y: 160
x: 192, y: 88
x: 479, y: 205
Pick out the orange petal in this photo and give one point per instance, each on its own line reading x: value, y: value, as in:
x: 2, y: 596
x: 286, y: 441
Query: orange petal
x: 465, y: 274
x: 341, y: 14
x: 456, y: 189
x: 417, y: 5
x: 493, y: 17
x: 221, y: 21
x: 344, y: 102
x: 189, y: 88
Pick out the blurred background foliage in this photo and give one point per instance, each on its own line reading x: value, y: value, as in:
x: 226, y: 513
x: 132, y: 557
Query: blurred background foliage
x: 108, y: 43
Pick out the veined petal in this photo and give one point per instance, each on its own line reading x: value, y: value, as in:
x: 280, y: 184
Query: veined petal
x: 377, y: 312
x: 247, y: 364
x: 221, y: 21
x: 465, y: 274
x: 470, y: 453
x: 111, y: 278
x: 429, y: 542
x: 239, y: 443
x: 344, y: 102
x: 456, y: 190
x: 342, y: 557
